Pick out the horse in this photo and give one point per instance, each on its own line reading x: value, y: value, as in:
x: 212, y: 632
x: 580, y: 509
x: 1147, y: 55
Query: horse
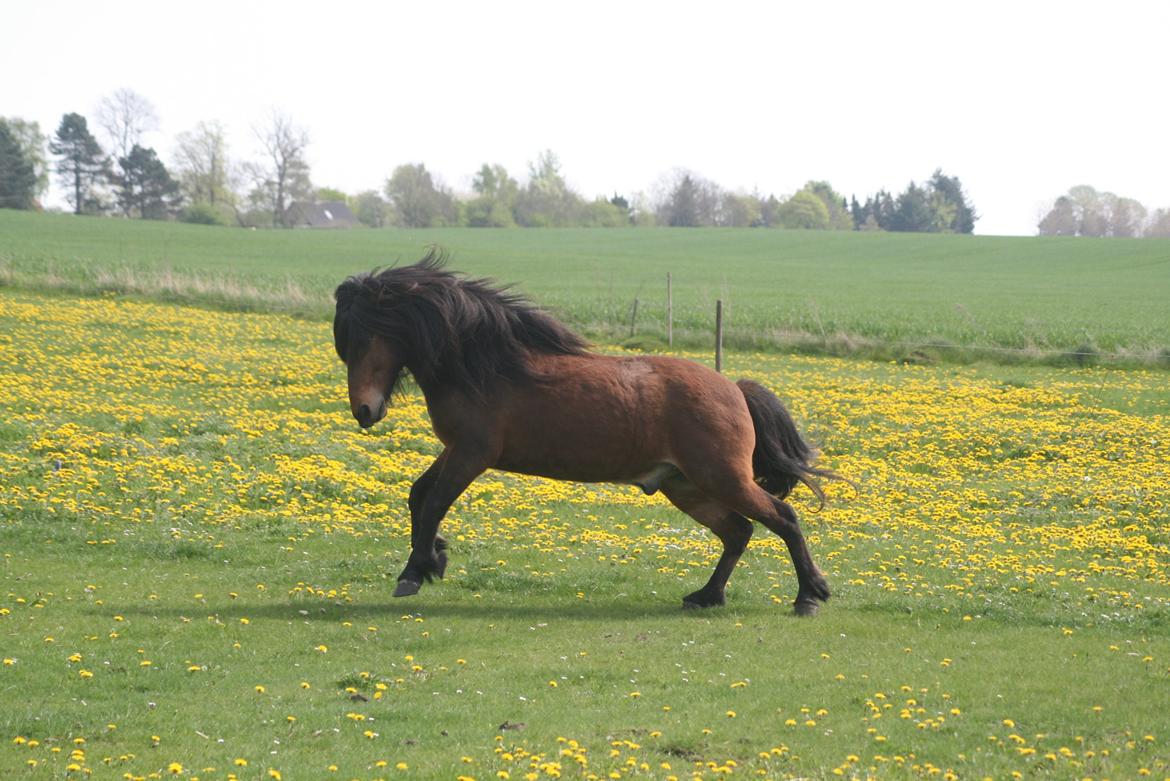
x: 508, y: 387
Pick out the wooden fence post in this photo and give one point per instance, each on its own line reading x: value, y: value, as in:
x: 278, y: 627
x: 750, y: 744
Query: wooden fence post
x: 634, y: 316
x: 669, y: 313
x: 719, y: 335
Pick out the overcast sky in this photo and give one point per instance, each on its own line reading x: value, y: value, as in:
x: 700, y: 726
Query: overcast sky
x: 1020, y: 100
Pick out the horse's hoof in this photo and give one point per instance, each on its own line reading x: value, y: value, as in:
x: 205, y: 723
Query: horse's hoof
x: 700, y: 600
x: 807, y: 607
x: 407, y: 588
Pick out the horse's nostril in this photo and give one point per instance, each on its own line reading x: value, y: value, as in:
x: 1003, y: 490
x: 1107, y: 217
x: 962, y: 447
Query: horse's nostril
x: 363, y: 413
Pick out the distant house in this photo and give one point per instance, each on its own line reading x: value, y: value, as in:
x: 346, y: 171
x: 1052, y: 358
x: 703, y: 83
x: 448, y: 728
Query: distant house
x: 330, y: 214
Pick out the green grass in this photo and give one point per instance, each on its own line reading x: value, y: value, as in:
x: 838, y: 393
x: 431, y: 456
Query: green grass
x: 185, y: 487
x: 1000, y: 299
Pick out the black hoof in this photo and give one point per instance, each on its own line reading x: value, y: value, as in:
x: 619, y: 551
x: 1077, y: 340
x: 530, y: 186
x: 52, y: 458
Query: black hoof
x: 441, y: 561
x: 701, y: 599
x: 806, y: 608
x: 407, y: 588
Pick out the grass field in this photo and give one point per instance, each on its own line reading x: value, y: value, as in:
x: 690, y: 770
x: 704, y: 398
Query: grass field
x: 199, y: 546
x: 882, y: 294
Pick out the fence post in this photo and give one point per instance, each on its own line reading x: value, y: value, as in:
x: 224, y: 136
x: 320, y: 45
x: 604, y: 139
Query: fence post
x: 634, y: 316
x: 669, y: 313
x: 719, y: 335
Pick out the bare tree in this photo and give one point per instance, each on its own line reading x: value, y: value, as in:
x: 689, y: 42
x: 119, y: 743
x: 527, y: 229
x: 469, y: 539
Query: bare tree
x: 284, y: 174
x: 201, y: 160
x: 126, y: 116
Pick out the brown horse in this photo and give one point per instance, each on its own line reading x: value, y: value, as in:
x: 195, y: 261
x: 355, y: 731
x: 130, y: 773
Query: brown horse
x: 508, y: 387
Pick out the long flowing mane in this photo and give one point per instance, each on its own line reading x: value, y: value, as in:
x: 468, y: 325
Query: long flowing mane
x: 455, y: 330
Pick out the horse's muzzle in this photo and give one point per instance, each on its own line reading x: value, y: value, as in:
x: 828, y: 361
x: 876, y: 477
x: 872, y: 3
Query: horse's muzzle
x: 367, y: 417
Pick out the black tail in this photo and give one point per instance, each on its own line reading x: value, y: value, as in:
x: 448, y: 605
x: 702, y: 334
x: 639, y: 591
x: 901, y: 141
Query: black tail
x: 782, y: 458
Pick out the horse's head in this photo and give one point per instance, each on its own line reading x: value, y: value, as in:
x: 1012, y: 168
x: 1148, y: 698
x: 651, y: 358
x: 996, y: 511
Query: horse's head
x: 373, y: 362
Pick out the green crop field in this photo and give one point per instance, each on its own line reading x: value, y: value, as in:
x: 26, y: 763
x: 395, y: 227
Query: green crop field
x: 823, y: 292
x: 198, y: 544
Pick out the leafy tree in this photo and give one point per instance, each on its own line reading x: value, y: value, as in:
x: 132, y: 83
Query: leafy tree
x: 32, y: 142
x: 284, y: 175
x: 145, y: 186
x: 370, y: 209
x: 203, y: 166
x: 82, y: 166
x: 803, y: 211
x: 1061, y: 219
x: 496, y: 194
x: 953, y: 212
x: 740, y: 211
x: 1126, y: 218
x: 602, y: 213
x: 546, y: 200
x: 330, y: 194
x: 126, y: 116
x: 418, y: 202
x: 1159, y: 226
x: 835, y: 205
x: 18, y: 176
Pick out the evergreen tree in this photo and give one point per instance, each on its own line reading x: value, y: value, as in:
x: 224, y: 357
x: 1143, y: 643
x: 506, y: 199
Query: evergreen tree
x: 18, y: 176
x: 947, y: 193
x: 145, y: 186
x: 912, y: 211
x: 83, y: 166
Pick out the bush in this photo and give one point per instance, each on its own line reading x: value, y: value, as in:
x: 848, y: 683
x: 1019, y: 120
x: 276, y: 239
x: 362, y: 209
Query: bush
x: 202, y: 214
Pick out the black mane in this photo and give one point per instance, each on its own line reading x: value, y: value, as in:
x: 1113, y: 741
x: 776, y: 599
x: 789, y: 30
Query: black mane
x: 455, y: 330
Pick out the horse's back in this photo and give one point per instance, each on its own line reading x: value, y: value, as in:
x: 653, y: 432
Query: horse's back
x: 603, y: 418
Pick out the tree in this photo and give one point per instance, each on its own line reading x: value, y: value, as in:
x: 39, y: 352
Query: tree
x: 803, y: 211
x: 83, y: 166
x: 1159, y: 226
x: 32, y: 142
x: 284, y: 174
x: 325, y: 194
x: 495, y: 200
x: 546, y: 200
x: 689, y: 201
x: 912, y: 211
x: 1126, y: 218
x: 126, y: 116
x: 953, y: 212
x: 740, y: 211
x: 18, y: 176
x: 835, y: 205
x: 203, y: 167
x: 418, y: 202
x: 1061, y: 219
x: 370, y: 209
x: 145, y: 186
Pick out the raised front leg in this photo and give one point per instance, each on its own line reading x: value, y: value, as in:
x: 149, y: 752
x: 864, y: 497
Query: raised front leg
x: 430, y: 498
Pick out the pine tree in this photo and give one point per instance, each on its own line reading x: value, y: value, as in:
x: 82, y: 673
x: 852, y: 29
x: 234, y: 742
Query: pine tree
x: 145, y: 186
x: 83, y: 166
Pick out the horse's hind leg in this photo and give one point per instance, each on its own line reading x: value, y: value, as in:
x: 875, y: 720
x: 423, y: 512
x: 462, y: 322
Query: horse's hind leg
x: 750, y: 500
x: 730, y: 527
x: 813, y: 588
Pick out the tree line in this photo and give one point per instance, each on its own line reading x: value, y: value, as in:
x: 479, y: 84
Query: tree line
x: 1083, y: 211
x: 203, y: 183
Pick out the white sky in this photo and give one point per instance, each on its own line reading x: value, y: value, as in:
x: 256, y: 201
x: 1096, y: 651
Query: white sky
x: 1019, y: 99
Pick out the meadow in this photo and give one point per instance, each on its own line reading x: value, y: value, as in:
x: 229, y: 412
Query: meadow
x: 199, y: 545
x: 899, y: 296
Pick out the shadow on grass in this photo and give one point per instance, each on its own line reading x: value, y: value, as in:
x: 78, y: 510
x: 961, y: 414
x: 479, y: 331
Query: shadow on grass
x: 484, y: 610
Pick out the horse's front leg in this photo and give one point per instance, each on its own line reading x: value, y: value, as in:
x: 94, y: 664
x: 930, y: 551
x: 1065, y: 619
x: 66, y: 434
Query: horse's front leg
x: 418, y: 493
x: 430, y: 498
